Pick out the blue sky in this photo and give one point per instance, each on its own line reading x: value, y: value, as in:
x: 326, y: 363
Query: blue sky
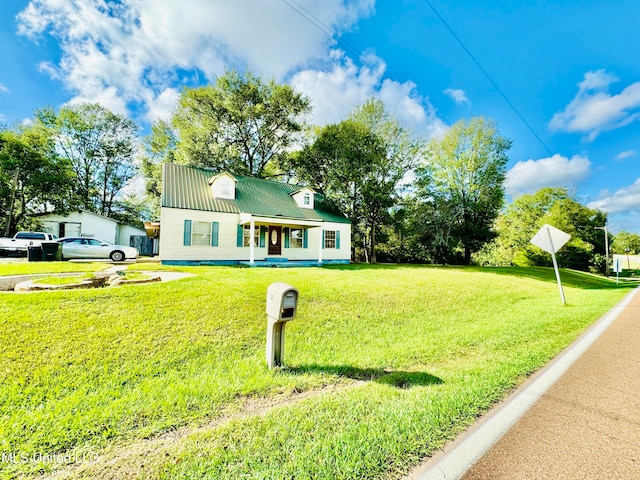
x: 570, y: 68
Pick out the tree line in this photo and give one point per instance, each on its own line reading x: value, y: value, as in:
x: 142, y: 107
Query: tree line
x: 409, y: 199
x: 79, y: 157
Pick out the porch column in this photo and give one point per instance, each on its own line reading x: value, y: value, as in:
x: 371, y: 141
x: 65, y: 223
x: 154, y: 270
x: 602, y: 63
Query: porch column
x: 252, y: 244
x: 320, y: 245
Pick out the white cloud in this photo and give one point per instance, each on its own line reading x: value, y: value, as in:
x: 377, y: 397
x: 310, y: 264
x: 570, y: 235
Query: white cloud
x: 161, y: 107
x: 626, y: 154
x: 556, y: 171
x: 107, y: 97
x: 459, y: 96
x: 622, y: 200
x: 594, y: 110
x: 129, y: 53
x: 3, y: 89
x: 342, y: 85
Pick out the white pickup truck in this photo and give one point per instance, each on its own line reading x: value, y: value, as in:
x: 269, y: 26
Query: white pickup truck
x: 21, y: 241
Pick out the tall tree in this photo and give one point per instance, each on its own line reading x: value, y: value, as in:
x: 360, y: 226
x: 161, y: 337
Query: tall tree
x: 34, y: 181
x: 554, y: 206
x: 463, y: 176
x: 100, y: 146
x: 520, y: 222
x: 343, y: 164
x: 159, y: 147
x: 626, y: 243
x: 384, y: 175
x: 241, y: 124
x: 359, y: 163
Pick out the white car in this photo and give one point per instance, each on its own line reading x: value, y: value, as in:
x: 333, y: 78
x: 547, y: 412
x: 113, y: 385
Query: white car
x: 83, y: 247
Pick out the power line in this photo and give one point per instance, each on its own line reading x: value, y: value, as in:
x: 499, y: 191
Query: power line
x: 328, y: 31
x: 495, y: 85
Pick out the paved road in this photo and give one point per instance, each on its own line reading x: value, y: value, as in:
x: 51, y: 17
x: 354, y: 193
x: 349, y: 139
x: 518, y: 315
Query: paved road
x: 577, y: 419
x: 587, y: 426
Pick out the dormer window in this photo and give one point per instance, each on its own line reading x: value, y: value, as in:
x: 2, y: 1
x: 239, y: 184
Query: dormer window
x: 223, y: 186
x: 304, y: 197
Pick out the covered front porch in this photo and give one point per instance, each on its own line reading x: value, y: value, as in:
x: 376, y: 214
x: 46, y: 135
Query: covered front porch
x: 278, y: 234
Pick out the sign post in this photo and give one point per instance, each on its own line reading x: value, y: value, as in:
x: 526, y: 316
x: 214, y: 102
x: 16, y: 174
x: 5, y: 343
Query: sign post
x: 550, y: 239
x: 617, y: 268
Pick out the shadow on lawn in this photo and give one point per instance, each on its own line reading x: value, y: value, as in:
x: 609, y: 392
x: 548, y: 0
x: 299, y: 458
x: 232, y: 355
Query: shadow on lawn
x: 569, y: 278
x: 398, y: 379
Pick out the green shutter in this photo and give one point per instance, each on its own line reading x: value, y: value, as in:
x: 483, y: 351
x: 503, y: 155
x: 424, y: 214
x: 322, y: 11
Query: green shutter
x: 337, y: 239
x: 286, y: 237
x: 305, y: 239
x: 239, y: 236
x: 263, y: 234
x: 215, y: 226
x: 186, y: 241
x: 323, y: 239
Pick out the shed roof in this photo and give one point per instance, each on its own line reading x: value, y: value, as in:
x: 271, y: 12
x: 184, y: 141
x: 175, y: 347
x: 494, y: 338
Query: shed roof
x: 188, y: 188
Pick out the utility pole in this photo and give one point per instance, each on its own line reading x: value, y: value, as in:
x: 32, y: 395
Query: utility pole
x: 606, y: 248
x: 7, y: 228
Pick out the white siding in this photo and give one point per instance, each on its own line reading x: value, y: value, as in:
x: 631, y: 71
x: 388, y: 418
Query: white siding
x: 299, y: 198
x: 91, y: 225
x: 172, y: 236
x: 172, y: 239
x: 228, y: 182
x: 125, y: 232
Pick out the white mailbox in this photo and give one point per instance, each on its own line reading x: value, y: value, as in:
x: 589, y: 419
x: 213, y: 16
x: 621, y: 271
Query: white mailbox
x: 282, y: 302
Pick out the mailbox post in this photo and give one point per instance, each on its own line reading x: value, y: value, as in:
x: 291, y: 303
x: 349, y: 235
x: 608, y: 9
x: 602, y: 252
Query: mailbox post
x: 282, y: 302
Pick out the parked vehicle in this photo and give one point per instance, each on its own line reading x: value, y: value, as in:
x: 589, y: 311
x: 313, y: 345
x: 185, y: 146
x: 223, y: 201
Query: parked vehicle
x: 83, y: 247
x: 21, y: 241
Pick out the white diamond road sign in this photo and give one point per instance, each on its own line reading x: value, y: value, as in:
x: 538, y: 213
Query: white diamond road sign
x: 550, y: 239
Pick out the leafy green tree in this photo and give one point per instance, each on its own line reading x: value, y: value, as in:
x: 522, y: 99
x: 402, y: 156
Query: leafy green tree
x: 461, y: 183
x: 159, y: 147
x: 554, y: 206
x: 134, y: 209
x: 34, y: 181
x: 100, y: 147
x: 626, y: 243
x: 359, y: 164
x: 242, y: 124
x: 343, y: 165
x: 385, y: 175
x: 520, y: 222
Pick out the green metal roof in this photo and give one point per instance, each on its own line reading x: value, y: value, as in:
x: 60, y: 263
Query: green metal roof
x: 188, y: 188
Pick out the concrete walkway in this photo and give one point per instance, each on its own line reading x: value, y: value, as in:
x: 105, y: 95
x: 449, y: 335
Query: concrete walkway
x: 577, y: 419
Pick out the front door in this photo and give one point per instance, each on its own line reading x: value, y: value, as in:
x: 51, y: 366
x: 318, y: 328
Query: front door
x: 275, y: 240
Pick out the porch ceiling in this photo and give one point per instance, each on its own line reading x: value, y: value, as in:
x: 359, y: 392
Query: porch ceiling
x: 246, y: 218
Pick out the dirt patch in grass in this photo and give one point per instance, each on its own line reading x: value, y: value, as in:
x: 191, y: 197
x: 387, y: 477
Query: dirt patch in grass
x: 129, y: 460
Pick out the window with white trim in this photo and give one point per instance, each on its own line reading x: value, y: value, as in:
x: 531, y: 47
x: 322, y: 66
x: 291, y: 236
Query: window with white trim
x: 201, y: 233
x: 246, y: 236
x: 307, y: 199
x: 225, y: 188
x: 295, y: 238
x: 329, y: 239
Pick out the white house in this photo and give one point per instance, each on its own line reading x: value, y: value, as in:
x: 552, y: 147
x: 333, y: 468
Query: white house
x: 82, y: 223
x: 222, y: 219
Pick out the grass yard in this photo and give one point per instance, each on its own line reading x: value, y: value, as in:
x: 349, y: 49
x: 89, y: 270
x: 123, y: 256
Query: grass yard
x: 384, y: 364
x: 27, y: 268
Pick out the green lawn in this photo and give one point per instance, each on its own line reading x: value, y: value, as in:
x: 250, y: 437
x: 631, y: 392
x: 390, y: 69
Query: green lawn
x: 418, y: 353
x: 27, y: 268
